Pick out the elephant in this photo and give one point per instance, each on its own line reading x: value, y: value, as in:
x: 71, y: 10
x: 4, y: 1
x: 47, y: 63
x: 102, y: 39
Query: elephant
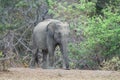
x: 46, y: 36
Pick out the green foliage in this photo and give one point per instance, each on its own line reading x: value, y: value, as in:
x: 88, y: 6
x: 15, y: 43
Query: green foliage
x: 104, y: 32
x: 1, y: 54
x: 50, y: 2
x: 101, y: 35
x: 112, y: 64
x: 22, y: 4
x: 6, y: 3
x: 65, y: 11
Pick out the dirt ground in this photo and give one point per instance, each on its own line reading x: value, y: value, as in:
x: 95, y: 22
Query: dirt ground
x: 57, y: 74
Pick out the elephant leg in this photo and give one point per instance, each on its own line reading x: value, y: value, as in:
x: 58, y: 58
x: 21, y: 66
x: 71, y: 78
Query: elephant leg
x: 37, y: 57
x: 51, y: 48
x: 65, y: 56
x: 34, y: 58
x: 45, y: 53
x: 32, y: 62
x: 51, y: 56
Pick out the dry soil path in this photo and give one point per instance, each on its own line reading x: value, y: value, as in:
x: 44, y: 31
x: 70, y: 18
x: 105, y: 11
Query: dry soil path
x: 58, y: 74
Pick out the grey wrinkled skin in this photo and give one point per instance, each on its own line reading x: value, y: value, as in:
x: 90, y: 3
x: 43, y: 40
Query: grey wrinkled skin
x: 46, y: 36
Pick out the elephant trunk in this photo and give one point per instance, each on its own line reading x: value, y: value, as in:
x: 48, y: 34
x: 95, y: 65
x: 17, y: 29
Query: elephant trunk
x: 64, y: 51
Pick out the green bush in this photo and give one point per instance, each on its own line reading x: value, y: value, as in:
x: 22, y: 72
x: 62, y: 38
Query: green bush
x: 1, y: 54
x: 101, y: 38
x: 103, y: 32
x: 112, y: 64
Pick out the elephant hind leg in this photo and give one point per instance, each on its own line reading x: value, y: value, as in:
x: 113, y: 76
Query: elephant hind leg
x: 45, y: 53
x: 34, y: 58
x: 32, y: 62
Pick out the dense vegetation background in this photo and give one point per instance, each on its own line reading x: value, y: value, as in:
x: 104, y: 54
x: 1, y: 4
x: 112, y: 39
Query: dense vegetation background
x: 95, y: 30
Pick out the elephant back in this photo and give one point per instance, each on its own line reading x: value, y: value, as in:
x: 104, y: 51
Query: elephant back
x: 39, y: 34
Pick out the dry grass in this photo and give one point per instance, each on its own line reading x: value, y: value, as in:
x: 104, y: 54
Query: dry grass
x: 57, y: 74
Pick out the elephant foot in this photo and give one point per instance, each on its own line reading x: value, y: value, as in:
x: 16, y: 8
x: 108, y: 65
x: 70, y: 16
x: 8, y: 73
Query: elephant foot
x: 32, y: 67
x: 44, y: 66
x: 51, y: 68
x: 67, y: 68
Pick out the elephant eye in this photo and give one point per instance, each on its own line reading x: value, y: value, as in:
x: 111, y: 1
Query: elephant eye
x: 59, y: 34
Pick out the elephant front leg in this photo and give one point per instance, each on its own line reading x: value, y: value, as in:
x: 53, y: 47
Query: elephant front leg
x: 65, y: 55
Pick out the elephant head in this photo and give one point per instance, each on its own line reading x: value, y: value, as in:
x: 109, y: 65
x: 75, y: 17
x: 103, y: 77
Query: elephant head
x: 59, y: 32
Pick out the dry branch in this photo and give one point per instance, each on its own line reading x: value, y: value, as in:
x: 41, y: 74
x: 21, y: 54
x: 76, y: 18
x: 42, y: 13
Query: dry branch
x: 6, y: 58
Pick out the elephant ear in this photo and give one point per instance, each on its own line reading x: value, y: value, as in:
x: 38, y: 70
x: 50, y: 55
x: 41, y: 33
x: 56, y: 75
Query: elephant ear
x: 51, y: 27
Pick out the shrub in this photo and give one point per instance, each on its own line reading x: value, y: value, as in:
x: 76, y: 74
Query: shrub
x: 112, y: 64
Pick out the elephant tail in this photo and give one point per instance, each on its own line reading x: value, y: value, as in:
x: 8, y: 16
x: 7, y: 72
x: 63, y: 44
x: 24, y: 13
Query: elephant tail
x: 33, y: 42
